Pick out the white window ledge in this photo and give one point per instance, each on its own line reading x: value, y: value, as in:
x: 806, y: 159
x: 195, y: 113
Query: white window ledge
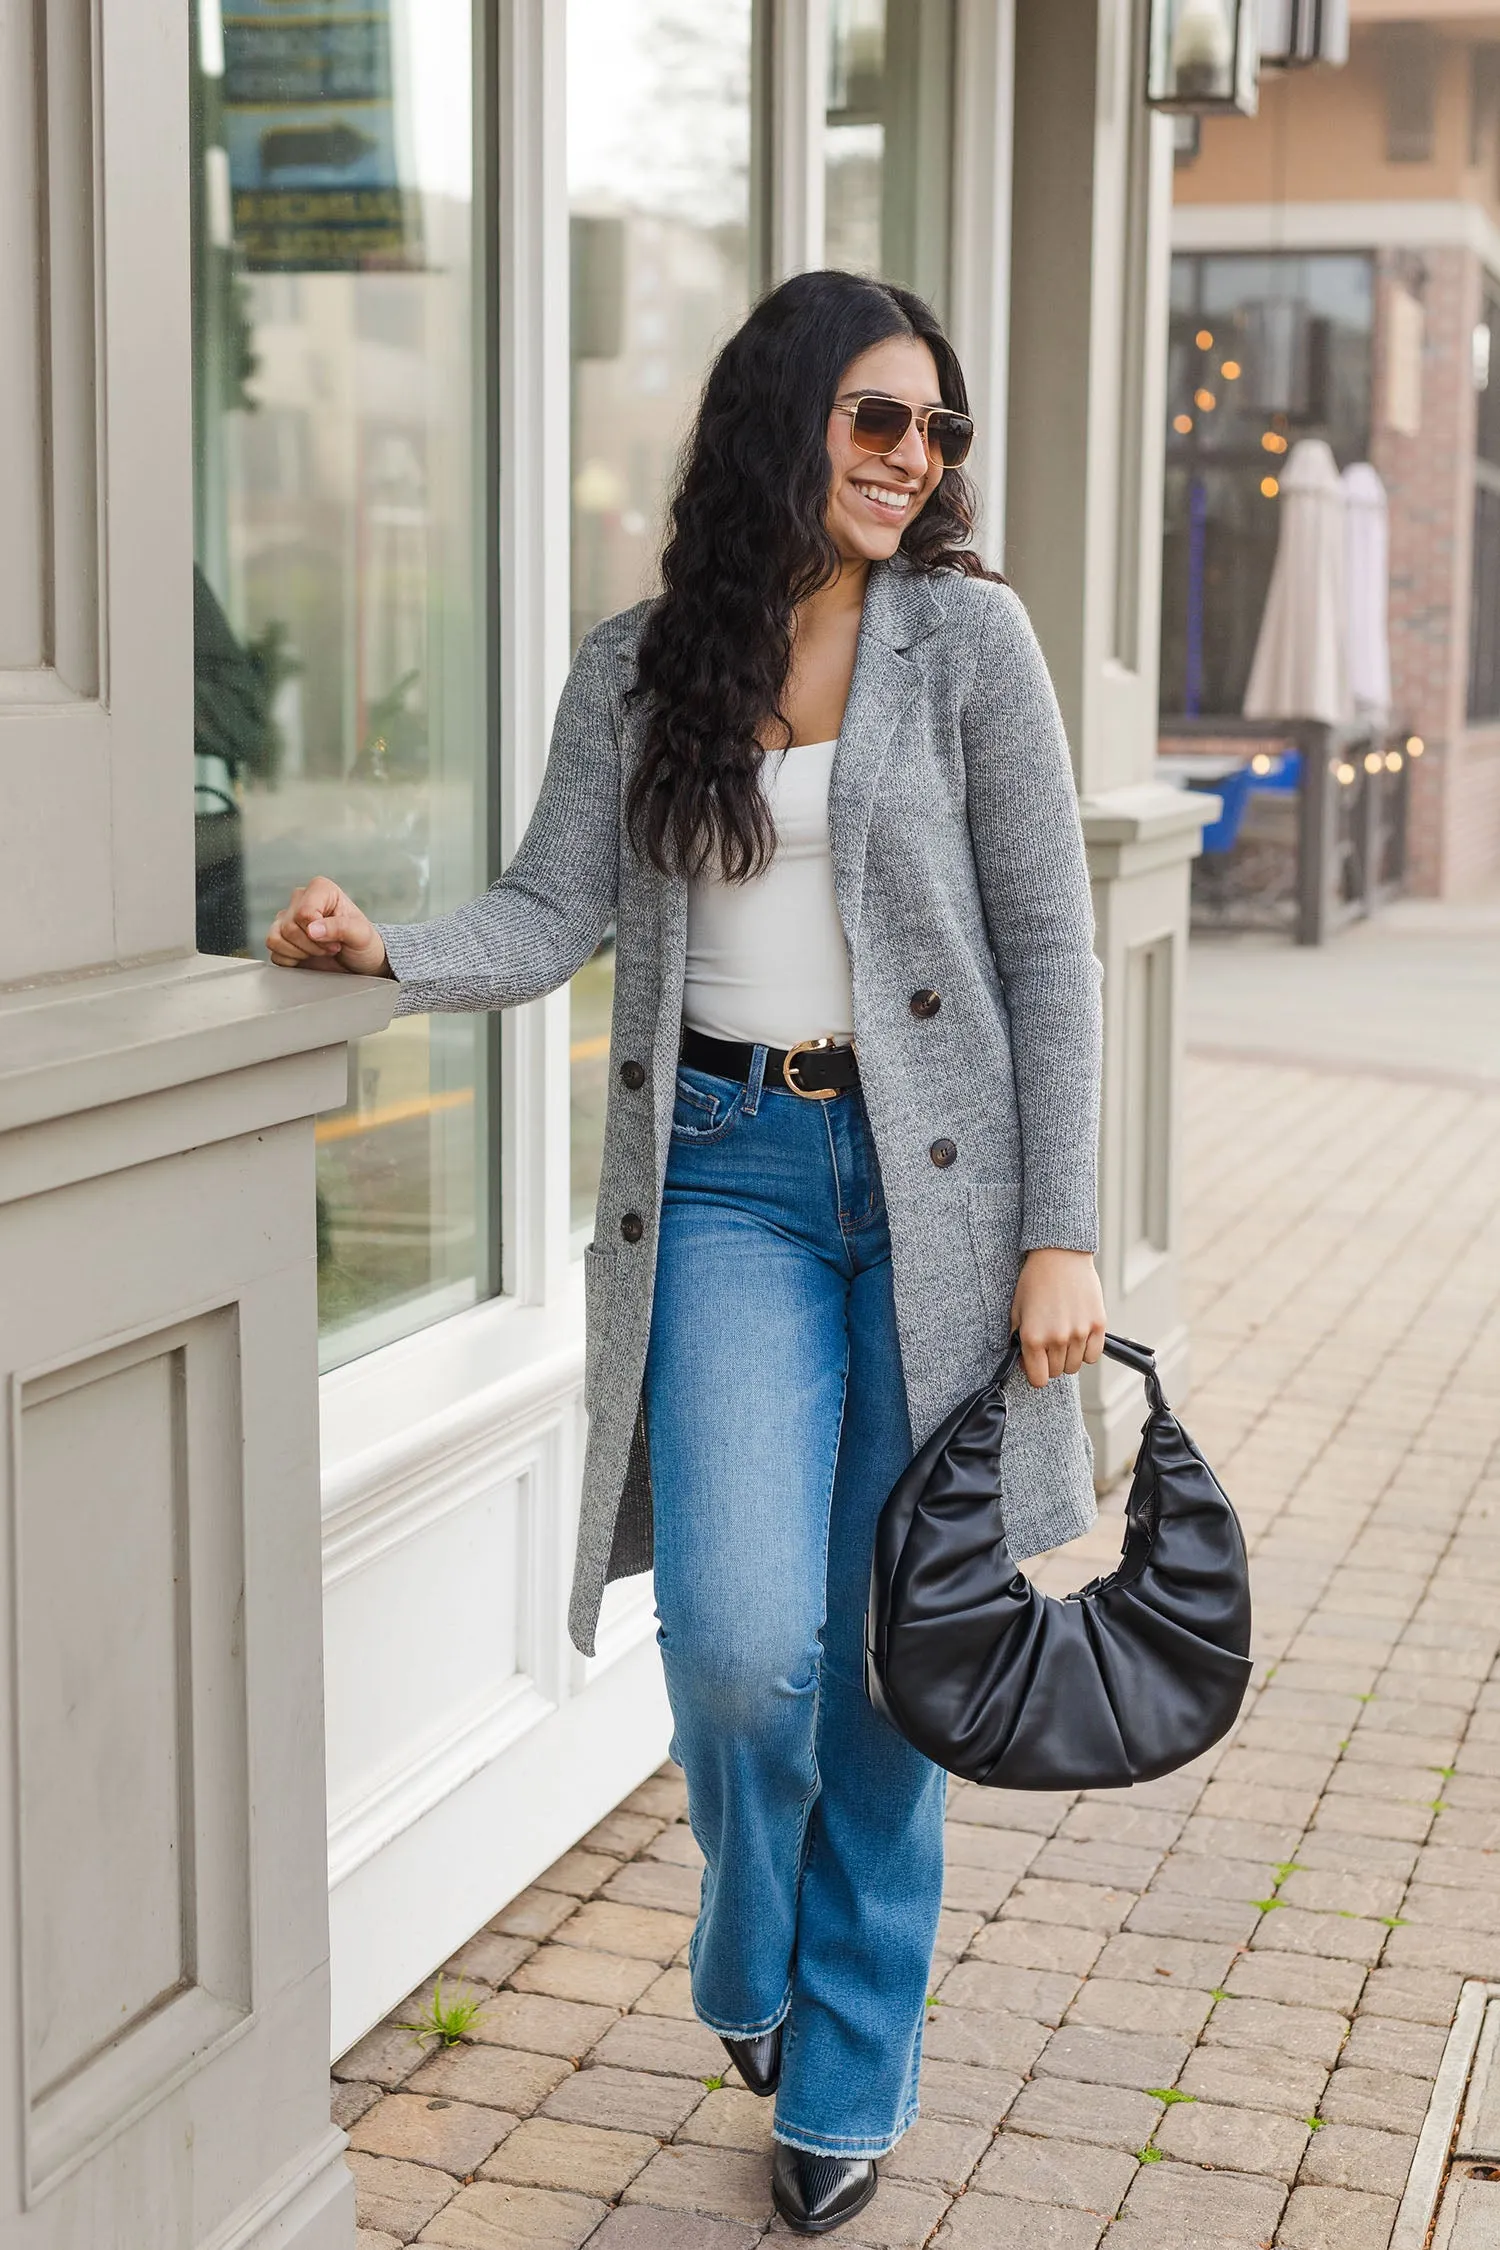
x: 438, y: 1387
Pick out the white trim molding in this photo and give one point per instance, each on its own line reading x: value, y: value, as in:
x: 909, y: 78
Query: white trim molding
x: 487, y: 1838
x: 450, y: 1477
x: 793, y: 136
x: 469, y: 1741
x: 983, y: 76
x: 533, y: 388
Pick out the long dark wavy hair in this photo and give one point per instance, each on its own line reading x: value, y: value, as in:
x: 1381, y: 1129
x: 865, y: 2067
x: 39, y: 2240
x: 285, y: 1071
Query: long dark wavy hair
x: 749, y: 542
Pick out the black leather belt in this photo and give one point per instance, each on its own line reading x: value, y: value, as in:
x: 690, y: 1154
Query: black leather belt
x: 816, y: 1068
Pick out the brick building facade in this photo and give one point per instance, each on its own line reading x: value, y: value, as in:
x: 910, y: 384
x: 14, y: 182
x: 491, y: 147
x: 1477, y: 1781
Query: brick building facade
x: 1453, y: 836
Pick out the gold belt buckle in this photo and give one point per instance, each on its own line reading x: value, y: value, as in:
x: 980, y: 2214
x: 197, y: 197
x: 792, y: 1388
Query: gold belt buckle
x: 808, y: 1093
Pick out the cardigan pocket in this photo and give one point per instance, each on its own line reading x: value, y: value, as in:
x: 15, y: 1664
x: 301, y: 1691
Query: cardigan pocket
x: 599, y: 1268
x: 994, y: 1238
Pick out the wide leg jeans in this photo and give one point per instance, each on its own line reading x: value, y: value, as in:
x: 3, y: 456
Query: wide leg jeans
x: 777, y: 1423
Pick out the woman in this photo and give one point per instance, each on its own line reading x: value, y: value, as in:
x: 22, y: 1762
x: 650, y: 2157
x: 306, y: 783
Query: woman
x: 821, y: 787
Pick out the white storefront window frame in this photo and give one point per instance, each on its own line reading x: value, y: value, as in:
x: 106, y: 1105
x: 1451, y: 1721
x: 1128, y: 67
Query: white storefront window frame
x: 979, y: 288
x: 480, y: 1415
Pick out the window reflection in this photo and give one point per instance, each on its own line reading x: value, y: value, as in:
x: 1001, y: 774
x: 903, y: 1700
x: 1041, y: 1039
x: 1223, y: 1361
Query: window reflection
x: 1263, y: 350
x: 339, y: 482
x: 659, y: 136
x: 889, y: 136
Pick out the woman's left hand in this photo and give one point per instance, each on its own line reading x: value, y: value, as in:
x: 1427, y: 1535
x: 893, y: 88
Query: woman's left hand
x: 1059, y: 1310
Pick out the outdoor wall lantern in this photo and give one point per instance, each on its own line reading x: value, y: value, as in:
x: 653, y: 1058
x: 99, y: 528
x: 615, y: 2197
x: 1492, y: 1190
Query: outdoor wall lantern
x: 1203, y: 56
x: 1294, y: 33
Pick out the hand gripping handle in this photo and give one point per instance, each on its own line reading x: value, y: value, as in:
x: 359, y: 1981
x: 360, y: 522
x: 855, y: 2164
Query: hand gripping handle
x: 1139, y: 1356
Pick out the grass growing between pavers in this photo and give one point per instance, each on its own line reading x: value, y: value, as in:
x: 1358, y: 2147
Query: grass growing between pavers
x: 1212, y: 2007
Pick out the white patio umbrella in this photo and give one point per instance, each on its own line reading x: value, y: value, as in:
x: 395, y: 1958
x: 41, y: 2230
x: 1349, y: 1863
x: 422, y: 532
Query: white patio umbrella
x: 1367, y: 589
x: 1300, y: 669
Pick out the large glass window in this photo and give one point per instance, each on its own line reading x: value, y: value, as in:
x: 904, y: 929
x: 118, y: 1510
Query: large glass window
x: 1264, y: 350
x: 889, y: 140
x: 659, y: 183
x: 338, y: 588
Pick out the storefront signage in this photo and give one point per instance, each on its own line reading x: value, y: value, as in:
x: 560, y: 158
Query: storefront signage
x: 310, y: 125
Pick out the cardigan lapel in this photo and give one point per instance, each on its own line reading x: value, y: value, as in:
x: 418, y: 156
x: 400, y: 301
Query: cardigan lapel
x: 900, y: 610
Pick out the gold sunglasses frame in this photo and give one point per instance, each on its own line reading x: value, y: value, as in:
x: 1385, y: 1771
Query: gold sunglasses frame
x: 917, y: 416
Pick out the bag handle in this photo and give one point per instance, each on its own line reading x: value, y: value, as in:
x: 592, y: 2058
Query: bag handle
x: 1139, y: 1356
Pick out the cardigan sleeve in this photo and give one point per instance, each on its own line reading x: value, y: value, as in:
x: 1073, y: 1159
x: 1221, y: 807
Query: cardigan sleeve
x: 545, y: 916
x: 1033, y: 879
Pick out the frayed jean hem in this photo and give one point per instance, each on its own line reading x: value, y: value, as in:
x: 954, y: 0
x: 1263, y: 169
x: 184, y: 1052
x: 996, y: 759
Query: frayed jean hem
x: 855, y: 2147
x: 744, y: 2031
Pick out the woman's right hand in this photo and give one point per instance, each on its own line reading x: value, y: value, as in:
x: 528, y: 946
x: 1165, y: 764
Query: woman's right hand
x: 322, y: 928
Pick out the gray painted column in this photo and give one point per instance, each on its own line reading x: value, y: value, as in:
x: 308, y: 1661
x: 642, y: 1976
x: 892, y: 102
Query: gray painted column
x: 1090, y: 249
x: 163, y: 1855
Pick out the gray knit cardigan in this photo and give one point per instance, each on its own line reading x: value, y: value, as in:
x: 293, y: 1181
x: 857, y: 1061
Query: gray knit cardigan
x: 959, y: 866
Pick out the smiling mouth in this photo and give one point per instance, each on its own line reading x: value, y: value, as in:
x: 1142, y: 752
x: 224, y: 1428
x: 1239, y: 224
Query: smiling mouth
x: 891, y: 500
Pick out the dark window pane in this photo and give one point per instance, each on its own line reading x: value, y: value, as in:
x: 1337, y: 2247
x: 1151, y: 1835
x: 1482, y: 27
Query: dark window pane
x: 1484, y: 606
x: 1262, y: 350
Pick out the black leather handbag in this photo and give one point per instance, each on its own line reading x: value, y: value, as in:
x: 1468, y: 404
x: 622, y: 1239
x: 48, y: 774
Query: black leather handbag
x: 1125, y: 1680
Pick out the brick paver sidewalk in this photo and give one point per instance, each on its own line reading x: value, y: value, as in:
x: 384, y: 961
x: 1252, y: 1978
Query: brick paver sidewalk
x: 1199, y: 2015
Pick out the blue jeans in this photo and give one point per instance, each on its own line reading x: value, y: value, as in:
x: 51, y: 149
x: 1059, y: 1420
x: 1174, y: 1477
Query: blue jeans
x: 777, y: 1421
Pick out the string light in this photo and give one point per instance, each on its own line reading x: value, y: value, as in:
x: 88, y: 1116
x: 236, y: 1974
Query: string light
x: 1344, y: 773
x: 1373, y: 761
x: 1182, y: 423
x: 1272, y: 442
x: 1260, y: 763
x: 1415, y: 746
x: 1204, y: 339
x: 1230, y: 370
x: 1393, y: 761
x: 1270, y: 486
x: 1204, y: 401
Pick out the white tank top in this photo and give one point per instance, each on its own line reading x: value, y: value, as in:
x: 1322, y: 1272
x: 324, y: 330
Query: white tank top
x: 767, y: 960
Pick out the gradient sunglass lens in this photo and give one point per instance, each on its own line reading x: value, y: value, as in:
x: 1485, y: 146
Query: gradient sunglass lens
x: 949, y: 436
x: 880, y: 424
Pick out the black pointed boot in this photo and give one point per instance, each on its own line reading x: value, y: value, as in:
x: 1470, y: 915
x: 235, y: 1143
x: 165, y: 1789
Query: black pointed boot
x: 816, y: 2193
x: 757, y: 2060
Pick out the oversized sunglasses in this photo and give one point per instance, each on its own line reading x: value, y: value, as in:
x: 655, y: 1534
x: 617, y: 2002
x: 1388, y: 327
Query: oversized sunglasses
x: 879, y: 425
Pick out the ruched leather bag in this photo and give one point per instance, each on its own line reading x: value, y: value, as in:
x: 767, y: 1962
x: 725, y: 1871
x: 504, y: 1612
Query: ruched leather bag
x: 1125, y: 1680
